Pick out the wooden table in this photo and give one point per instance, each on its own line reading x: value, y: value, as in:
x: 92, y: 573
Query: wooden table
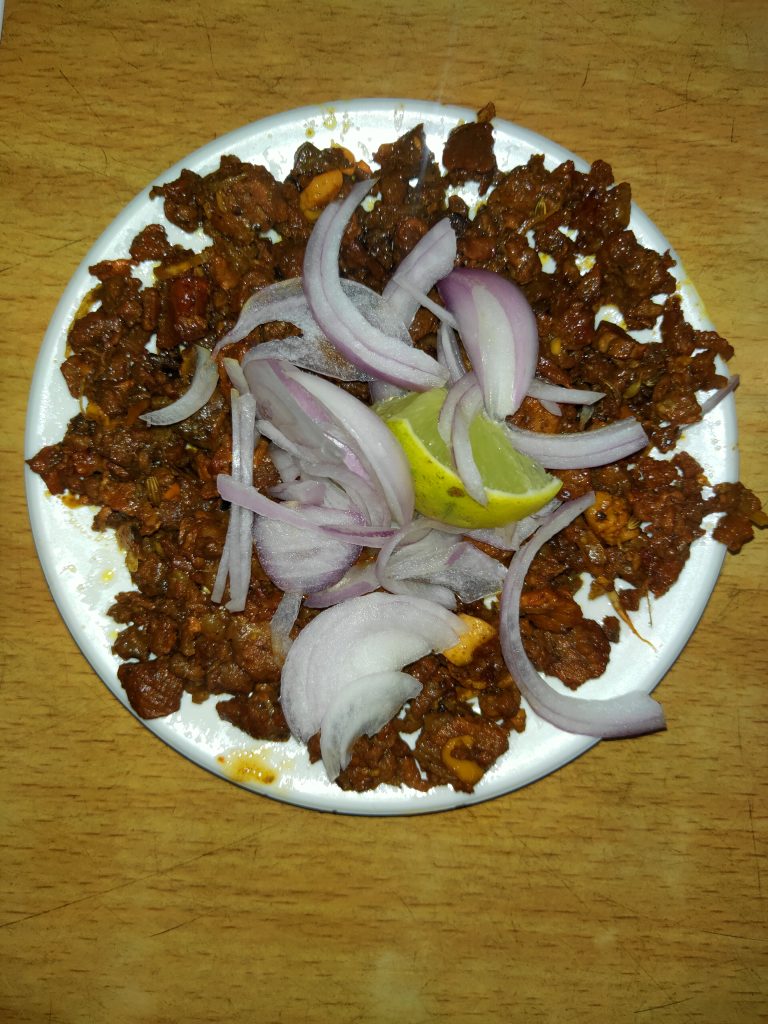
x: 629, y: 886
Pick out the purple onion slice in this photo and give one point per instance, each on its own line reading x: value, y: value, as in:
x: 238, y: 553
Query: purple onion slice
x: 499, y: 332
x: 201, y: 388
x: 376, y: 633
x: 589, y: 448
x: 301, y: 561
x: 363, y: 343
x: 547, y: 392
x: 627, y: 715
x: 716, y: 398
x: 362, y: 707
x: 430, y: 260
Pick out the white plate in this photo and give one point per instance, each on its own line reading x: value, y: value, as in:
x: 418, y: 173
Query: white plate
x: 85, y: 569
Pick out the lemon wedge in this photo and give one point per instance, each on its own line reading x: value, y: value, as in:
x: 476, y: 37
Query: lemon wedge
x: 516, y: 486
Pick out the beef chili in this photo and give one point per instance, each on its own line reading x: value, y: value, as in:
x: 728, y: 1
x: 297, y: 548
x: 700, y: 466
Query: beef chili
x: 131, y: 348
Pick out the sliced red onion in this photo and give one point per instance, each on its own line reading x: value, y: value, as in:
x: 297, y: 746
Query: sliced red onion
x: 297, y: 420
x: 547, y: 392
x: 505, y: 538
x: 381, y: 390
x: 342, y: 472
x: 236, y: 375
x: 250, y: 497
x: 283, y: 301
x: 232, y: 525
x: 627, y: 715
x: 305, y: 492
x: 442, y: 314
x: 237, y: 460
x: 286, y: 302
x: 585, y: 415
x: 449, y: 353
x: 499, y: 332
x: 463, y: 402
x: 376, y: 633
x: 201, y: 387
x: 512, y: 535
x: 222, y: 572
x: 418, y: 550
x: 299, y: 561
x: 281, y: 410
x: 468, y: 407
x: 235, y: 563
x: 412, y: 574
x: 361, y: 579
x: 715, y: 399
x: 241, y: 525
x: 282, y: 623
x: 430, y: 260
x: 377, y: 311
x: 244, y: 412
x: 248, y: 436
x: 551, y: 407
x: 428, y: 561
x: 463, y: 384
x: 425, y: 559
x: 364, y: 344
x: 300, y: 424
x: 471, y: 573
x: 367, y: 447
x: 363, y: 707
x: 313, y: 351
x: 384, y: 456
x: 316, y: 354
x: 581, y: 451
x: 286, y: 464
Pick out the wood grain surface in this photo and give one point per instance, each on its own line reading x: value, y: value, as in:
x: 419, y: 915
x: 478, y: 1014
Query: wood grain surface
x: 629, y: 886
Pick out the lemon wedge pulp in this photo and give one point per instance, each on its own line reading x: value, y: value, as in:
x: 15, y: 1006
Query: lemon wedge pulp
x: 516, y: 486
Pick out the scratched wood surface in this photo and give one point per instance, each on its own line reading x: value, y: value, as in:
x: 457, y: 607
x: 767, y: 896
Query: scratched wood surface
x: 629, y: 886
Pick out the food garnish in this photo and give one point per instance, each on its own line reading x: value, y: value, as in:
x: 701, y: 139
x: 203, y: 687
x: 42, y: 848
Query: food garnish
x: 506, y: 486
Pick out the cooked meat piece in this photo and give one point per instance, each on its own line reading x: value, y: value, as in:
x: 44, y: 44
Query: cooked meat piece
x: 153, y: 689
x: 258, y: 714
x: 457, y: 750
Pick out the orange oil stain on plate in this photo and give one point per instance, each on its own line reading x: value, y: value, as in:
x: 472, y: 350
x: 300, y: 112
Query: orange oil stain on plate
x: 72, y: 501
x: 247, y: 766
